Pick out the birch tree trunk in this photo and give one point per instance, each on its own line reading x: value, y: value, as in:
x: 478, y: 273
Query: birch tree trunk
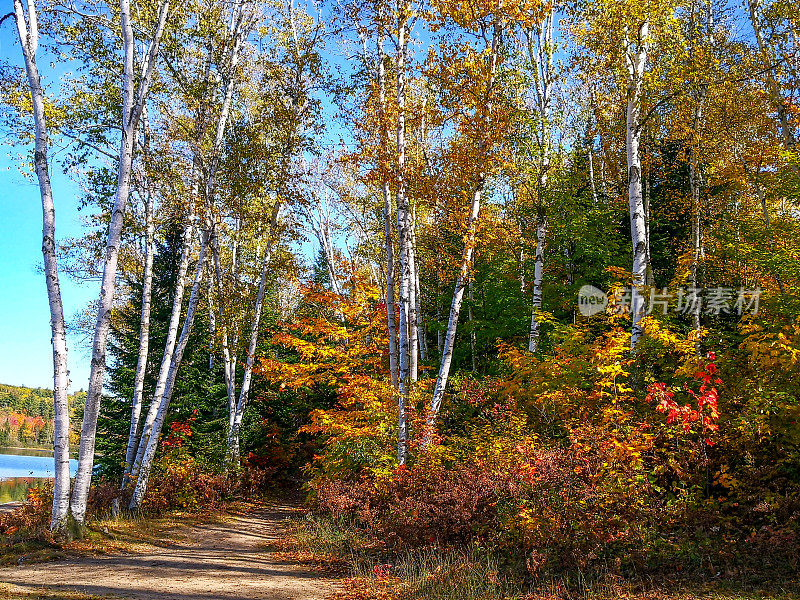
x: 635, y: 59
x: 455, y: 309
x: 28, y: 30
x: 212, y: 321
x: 466, y: 261
x: 236, y: 423
x: 390, y: 306
x: 169, y: 348
x: 439, y: 333
x: 237, y: 31
x: 229, y: 362
x: 538, y: 275
x: 540, y: 52
x: 591, y: 174
x: 144, y: 341
x: 149, y: 447
x: 422, y: 342
x: 407, y: 337
x: 133, y: 101
x: 696, y: 181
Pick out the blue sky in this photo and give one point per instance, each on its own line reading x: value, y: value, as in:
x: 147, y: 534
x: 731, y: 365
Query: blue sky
x: 25, y: 352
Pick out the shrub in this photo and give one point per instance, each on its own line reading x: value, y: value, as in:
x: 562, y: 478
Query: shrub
x: 180, y: 481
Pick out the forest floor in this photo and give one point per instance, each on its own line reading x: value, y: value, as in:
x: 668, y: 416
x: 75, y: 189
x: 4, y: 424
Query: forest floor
x: 229, y: 558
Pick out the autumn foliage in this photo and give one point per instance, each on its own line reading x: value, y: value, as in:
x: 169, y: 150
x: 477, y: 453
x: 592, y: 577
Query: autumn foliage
x: 564, y: 462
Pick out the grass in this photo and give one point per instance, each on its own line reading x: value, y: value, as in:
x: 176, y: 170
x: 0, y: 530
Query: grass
x: 13, y: 592
x: 470, y: 574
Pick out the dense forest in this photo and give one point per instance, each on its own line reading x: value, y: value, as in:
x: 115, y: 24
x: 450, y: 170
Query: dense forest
x: 512, y: 277
x: 26, y: 416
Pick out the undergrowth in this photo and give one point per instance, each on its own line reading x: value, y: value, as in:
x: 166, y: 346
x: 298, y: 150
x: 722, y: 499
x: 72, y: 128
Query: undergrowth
x: 372, y: 572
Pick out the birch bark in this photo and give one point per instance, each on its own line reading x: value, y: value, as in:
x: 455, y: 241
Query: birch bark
x: 144, y: 340
x: 635, y: 59
x: 229, y: 362
x: 233, y: 432
x: 540, y: 52
x: 169, y: 350
x: 422, y: 343
x: 237, y: 31
x: 28, y: 31
x: 455, y: 309
x: 466, y: 260
x: 407, y: 337
x: 387, y: 213
x: 148, y: 448
x: 538, y: 276
x: 134, y: 98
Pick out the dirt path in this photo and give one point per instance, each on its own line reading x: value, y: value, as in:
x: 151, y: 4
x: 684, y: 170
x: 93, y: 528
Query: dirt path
x: 222, y: 561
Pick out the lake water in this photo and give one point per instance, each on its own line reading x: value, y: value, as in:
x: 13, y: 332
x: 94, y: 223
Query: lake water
x: 21, y: 469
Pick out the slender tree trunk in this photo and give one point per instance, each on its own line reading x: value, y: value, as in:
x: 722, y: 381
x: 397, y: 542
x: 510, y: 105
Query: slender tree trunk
x: 635, y: 59
x: 538, y: 275
x: 696, y: 180
x: 134, y: 99
x: 407, y: 337
x: 229, y: 362
x: 144, y: 340
x: 439, y: 332
x: 422, y: 342
x: 649, y: 277
x: 591, y: 173
x: 466, y: 261
x: 390, y: 306
x: 212, y: 320
x: 237, y: 31
x: 327, y: 248
x: 540, y: 52
x: 29, y: 40
x: 144, y: 465
x: 455, y: 309
x: 169, y: 348
x: 233, y: 432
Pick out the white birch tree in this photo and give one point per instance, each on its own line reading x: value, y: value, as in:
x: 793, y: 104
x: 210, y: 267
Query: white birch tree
x: 144, y: 325
x: 540, y: 55
x: 28, y: 30
x: 149, y: 445
x: 635, y: 49
x: 483, y: 115
x: 135, y: 90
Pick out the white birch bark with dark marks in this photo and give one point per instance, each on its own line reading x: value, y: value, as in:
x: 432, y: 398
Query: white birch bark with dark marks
x: 28, y: 30
x: 540, y: 54
x: 148, y: 453
x: 133, y: 100
x: 635, y: 60
x: 462, y: 279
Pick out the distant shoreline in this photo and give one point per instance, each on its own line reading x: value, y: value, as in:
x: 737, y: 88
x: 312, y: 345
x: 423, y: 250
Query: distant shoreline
x: 45, y: 449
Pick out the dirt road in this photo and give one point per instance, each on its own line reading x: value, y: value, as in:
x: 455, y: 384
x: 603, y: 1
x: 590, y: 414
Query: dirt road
x: 222, y: 561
